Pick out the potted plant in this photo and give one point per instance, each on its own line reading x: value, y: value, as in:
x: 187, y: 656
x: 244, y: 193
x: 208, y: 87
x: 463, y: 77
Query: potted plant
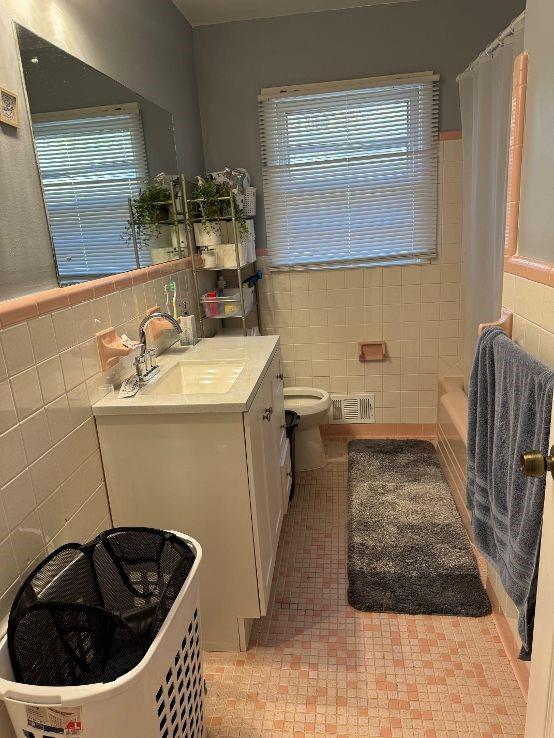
x: 209, y: 208
x: 148, y: 211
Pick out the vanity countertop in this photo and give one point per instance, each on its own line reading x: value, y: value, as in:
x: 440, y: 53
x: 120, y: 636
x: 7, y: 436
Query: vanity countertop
x: 252, y: 353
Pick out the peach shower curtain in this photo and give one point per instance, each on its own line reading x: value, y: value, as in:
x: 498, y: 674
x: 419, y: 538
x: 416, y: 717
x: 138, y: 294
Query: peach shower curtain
x: 485, y: 101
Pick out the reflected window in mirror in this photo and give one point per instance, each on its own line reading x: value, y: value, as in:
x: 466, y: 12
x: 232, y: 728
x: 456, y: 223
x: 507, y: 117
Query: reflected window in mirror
x: 101, y: 151
x: 91, y: 160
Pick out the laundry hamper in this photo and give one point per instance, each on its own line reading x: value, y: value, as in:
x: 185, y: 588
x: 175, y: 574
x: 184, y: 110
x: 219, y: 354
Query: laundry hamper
x: 161, y: 697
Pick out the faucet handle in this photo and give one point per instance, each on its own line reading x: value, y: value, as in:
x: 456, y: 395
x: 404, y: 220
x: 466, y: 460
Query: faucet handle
x: 140, y: 364
x: 153, y: 354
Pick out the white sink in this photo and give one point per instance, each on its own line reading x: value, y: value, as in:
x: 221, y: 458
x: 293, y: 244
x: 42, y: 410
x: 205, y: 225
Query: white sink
x: 198, y: 378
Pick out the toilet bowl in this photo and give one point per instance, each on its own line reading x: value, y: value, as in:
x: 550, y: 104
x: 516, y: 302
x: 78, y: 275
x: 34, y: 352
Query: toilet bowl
x: 312, y: 405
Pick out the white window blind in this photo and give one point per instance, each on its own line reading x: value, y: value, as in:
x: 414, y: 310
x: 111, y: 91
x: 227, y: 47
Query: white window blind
x: 91, y: 161
x: 350, y: 172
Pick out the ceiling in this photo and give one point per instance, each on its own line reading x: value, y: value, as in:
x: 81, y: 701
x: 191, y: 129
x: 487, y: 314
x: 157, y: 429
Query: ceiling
x: 206, y: 12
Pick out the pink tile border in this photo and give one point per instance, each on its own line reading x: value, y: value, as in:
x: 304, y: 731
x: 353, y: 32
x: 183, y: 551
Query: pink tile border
x: 380, y: 430
x: 17, y: 311
x: 522, y: 266
x: 520, y: 668
x: 450, y: 135
x: 515, y: 154
x: 529, y: 268
x: 24, y: 308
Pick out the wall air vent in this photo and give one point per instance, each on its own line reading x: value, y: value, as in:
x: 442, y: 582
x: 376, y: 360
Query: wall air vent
x: 352, y: 408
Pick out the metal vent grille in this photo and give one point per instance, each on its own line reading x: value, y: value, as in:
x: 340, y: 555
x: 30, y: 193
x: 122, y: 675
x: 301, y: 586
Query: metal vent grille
x: 180, y: 699
x: 353, y: 408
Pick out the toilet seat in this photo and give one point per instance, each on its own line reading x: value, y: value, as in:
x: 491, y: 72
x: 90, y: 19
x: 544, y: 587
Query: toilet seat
x: 312, y: 405
x: 306, y: 400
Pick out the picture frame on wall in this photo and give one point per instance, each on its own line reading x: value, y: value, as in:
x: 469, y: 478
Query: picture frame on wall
x: 9, y: 110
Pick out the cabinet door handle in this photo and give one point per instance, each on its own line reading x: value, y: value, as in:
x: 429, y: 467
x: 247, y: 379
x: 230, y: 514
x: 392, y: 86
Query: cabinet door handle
x: 268, y: 413
x: 280, y: 376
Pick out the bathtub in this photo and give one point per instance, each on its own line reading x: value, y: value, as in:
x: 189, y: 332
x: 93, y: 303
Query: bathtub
x: 452, y: 452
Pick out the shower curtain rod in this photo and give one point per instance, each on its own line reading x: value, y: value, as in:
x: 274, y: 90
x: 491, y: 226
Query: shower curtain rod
x: 494, y: 45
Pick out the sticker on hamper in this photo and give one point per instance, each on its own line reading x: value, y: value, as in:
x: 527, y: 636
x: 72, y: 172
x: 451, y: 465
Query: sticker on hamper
x: 59, y: 721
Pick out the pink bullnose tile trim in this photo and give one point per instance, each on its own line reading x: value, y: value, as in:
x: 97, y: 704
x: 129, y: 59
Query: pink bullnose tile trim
x: 522, y: 266
x: 154, y: 271
x: 168, y: 268
x: 51, y: 300
x: 123, y: 281
x: 104, y: 286
x: 18, y: 310
x: 529, y: 268
x: 79, y: 293
x: 450, y: 135
x: 139, y: 276
x: 380, y: 430
x: 511, y: 647
x: 41, y: 303
x: 517, y: 126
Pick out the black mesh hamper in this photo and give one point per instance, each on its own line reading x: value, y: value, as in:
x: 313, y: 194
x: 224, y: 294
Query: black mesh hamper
x: 88, y: 613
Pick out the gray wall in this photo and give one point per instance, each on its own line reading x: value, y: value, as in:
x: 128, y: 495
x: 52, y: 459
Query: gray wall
x: 146, y: 46
x: 235, y: 60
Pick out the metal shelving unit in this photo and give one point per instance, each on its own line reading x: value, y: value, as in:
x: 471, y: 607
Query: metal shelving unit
x: 176, y: 220
x: 239, y: 269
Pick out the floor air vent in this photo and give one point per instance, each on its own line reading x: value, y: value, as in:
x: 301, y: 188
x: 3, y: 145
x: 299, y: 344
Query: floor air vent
x: 352, y: 408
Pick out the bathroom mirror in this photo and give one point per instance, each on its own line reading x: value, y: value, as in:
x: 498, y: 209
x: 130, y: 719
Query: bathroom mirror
x: 103, y: 152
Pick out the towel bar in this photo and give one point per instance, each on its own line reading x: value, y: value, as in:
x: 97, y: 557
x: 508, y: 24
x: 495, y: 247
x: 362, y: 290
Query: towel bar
x: 534, y: 464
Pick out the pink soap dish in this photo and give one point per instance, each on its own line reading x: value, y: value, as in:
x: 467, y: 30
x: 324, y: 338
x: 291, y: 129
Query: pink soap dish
x: 111, y: 348
x: 371, y: 350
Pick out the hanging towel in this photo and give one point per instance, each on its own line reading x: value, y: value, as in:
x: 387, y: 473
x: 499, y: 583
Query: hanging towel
x: 510, y: 403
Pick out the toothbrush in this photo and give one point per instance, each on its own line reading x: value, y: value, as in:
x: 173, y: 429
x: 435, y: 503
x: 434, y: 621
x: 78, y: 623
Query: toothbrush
x: 173, y: 288
x: 166, y: 290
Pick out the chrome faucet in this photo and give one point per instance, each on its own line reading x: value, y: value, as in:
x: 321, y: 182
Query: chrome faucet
x: 145, y: 364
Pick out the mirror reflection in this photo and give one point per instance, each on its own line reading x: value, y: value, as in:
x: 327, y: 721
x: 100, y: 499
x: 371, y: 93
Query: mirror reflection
x: 106, y: 158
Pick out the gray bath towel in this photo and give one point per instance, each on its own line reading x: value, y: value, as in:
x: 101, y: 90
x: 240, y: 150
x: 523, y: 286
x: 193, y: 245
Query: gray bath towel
x: 510, y: 401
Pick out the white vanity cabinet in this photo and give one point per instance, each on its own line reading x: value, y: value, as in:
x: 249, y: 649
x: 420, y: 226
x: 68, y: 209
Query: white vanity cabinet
x: 220, y: 476
x: 262, y: 425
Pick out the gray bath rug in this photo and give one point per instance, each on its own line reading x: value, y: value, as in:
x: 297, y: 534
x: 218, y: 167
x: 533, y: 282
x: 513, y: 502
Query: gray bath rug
x: 408, y: 551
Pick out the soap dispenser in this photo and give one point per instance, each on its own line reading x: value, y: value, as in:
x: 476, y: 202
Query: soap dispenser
x: 189, y: 336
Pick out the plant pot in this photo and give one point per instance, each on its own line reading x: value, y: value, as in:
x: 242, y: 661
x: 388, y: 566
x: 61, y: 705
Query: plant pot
x: 161, y: 255
x: 213, y: 238
x: 163, y: 214
x: 210, y: 258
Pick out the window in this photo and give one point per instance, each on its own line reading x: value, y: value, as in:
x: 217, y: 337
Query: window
x: 91, y: 161
x: 350, y: 172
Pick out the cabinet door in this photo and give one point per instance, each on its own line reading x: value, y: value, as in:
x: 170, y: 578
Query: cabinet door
x: 278, y: 399
x: 265, y: 497
x: 278, y: 404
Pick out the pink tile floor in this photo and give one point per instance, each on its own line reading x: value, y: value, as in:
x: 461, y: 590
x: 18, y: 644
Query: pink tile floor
x: 317, y: 667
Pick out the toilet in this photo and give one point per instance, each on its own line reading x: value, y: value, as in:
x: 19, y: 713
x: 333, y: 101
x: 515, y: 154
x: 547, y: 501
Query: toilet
x: 312, y: 405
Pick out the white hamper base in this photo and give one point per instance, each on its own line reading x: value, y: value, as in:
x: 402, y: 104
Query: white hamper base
x: 162, y: 697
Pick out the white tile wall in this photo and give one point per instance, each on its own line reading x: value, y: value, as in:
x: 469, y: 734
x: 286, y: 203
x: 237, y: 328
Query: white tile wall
x: 51, y: 479
x: 321, y: 315
x: 533, y: 307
